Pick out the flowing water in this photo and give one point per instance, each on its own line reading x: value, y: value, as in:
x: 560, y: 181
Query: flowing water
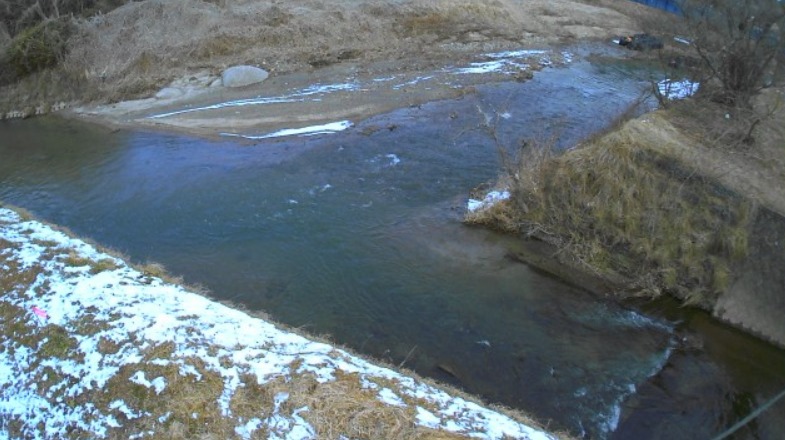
x: 357, y: 235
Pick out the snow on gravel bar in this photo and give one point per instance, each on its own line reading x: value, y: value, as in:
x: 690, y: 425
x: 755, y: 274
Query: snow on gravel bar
x: 150, y: 311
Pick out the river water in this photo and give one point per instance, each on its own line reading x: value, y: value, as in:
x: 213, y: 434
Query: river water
x: 357, y: 236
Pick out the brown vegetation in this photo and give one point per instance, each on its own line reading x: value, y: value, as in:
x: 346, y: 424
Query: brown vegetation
x: 627, y: 211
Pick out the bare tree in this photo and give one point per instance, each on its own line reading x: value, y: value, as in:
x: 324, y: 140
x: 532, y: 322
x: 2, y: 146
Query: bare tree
x: 740, y: 44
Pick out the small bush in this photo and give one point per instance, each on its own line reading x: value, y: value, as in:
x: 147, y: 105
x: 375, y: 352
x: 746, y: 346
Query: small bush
x: 739, y: 44
x: 39, y: 47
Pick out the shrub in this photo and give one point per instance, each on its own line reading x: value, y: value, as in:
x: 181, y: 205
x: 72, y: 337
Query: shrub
x: 740, y: 44
x: 39, y: 47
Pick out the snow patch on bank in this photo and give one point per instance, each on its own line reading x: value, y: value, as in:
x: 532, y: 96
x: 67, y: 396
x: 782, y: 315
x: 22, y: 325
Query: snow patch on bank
x: 490, y: 199
x: 132, y: 306
x: 677, y: 89
x: 332, y: 127
x: 301, y: 95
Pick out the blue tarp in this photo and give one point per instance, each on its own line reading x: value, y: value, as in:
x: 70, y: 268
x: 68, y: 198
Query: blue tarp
x: 665, y: 5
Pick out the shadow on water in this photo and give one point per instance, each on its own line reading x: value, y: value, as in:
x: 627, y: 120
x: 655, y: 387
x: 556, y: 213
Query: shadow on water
x: 358, y: 236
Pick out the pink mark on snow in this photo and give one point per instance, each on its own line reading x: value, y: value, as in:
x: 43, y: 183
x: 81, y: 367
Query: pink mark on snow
x: 40, y: 312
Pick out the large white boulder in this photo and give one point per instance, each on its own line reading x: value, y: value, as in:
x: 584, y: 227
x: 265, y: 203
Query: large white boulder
x: 239, y: 76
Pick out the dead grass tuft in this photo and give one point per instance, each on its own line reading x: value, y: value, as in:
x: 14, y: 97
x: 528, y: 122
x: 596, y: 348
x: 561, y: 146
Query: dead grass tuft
x: 186, y: 407
x: 154, y: 269
x: 75, y: 260
x: 446, y: 19
x: 158, y: 270
x: 344, y: 408
x: 13, y: 277
x: 14, y: 326
x: 252, y: 399
x: 104, y: 264
x: 57, y: 342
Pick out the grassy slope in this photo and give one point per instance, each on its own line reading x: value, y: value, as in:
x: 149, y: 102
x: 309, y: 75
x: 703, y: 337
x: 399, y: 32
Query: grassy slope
x: 647, y: 206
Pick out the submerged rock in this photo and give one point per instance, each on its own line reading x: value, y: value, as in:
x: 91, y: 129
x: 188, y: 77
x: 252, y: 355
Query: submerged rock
x: 239, y: 76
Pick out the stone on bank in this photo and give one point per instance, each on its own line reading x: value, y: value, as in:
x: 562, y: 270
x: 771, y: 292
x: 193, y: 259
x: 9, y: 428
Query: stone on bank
x: 240, y: 76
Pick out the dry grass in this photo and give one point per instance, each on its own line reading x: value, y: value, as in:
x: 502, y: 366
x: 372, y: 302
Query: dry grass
x: 12, y: 275
x: 75, y: 260
x: 138, y: 47
x: 341, y: 408
x: 157, y: 270
x: 190, y: 401
x: 620, y: 209
x: 444, y: 19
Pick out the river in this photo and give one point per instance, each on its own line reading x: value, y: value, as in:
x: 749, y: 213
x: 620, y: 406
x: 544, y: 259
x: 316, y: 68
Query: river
x: 357, y: 236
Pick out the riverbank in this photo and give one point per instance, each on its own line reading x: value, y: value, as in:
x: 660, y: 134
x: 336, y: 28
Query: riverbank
x: 653, y: 207
x: 337, y: 96
x: 134, y: 51
x: 101, y: 349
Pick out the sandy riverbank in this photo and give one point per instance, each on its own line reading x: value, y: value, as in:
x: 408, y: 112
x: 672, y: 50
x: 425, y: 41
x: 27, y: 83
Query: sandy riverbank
x: 120, y: 60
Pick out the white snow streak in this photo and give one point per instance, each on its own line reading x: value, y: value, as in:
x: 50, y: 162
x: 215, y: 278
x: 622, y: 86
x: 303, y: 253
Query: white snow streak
x: 312, y: 130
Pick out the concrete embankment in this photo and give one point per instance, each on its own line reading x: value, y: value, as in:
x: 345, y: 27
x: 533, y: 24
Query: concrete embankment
x: 755, y: 301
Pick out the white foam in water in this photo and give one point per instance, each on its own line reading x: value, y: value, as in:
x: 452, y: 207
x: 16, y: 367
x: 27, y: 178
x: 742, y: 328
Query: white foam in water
x: 504, y: 62
x: 635, y: 319
x: 611, y: 419
x: 486, y: 67
x: 614, y: 391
